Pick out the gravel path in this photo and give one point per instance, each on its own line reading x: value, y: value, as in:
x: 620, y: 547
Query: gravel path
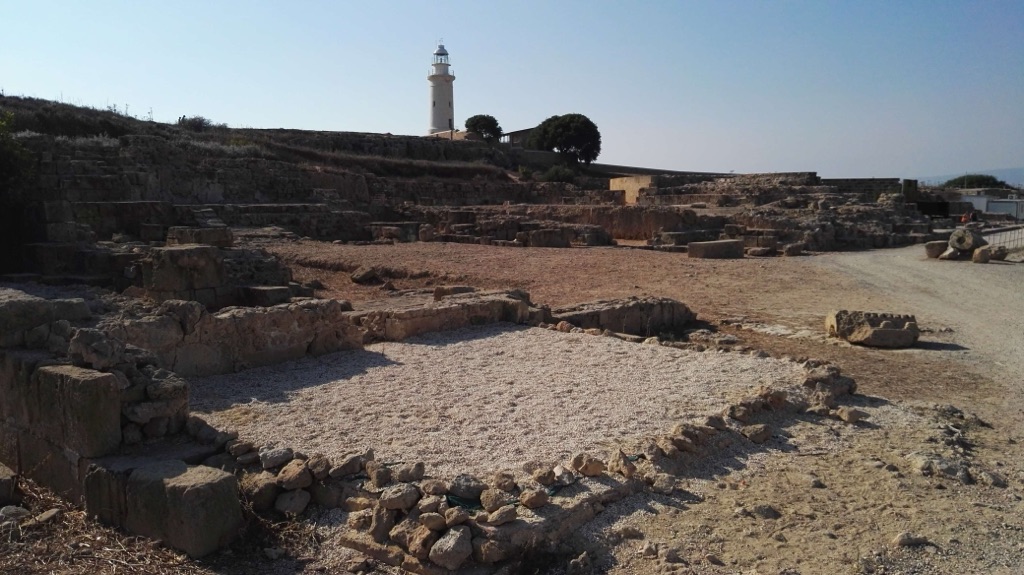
x: 481, y: 399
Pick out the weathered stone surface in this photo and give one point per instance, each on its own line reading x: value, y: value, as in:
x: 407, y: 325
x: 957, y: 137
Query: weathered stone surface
x: 934, y: 249
x: 850, y: 414
x: 718, y: 249
x: 292, y: 502
x: 534, y: 498
x: 489, y: 551
x: 588, y: 465
x: 503, y: 480
x: 195, y: 509
x: 364, y: 275
x: 466, y: 486
x: 981, y: 255
x: 421, y: 541
x: 453, y: 548
x: 433, y: 521
x: 8, y: 481
x: 434, y: 487
x: 492, y: 499
x: 503, y: 515
x: 637, y: 316
x: 319, y: 465
x: 182, y: 268
x: 294, y: 475
x: 400, y: 496
x: 271, y: 458
x: 410, y: 472
x: 349, y: 465
x: 456, y: 516
x: 328, y: 495
x: 619, y: 463
x: 757, y: 433
x: 74, y: 407
x: 95, y: 349
x: 794, y: 249
x: 221, y: 237
x: 873, y: 329
x: 381, y: 522
x: 966, y: 240
x: 379, y: 474
x: 260, y: 490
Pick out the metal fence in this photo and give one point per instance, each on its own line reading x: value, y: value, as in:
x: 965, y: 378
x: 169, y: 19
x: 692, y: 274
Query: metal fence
x: 1011, y: 238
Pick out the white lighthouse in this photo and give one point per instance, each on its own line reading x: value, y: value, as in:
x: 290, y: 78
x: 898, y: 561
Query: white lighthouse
x: 442, y: 102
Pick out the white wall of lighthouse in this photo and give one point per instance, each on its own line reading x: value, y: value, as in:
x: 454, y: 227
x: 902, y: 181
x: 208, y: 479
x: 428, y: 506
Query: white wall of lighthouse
x: 442, y: 99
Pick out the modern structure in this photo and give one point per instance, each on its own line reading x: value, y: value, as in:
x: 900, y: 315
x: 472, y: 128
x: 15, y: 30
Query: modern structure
x: 442, y: 101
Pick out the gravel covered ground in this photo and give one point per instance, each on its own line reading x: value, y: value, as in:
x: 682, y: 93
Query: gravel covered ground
x: 481, y: 399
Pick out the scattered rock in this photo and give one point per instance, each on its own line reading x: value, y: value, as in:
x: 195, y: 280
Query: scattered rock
x: 292, y: 502
x: 429, y: 504
x: 453, y: 548
x: 236, y: 447
x: 319, y: 465
x: 544, y: 475
x: 493, y: 499
x: 851, y: 415
x: 379, y: 474
x: 503, y: 515
x: 433, y: 521
x: 504, y: 481
x: 422, y: 541
x: 382, y: 521
x: 274, y: 457
x: 434, y: 487
x: 364, y: 275
x: 466, y: 486
x: 260, y: 490
x: 563, y: 476
x: 534, y: 498
x: 907, y: 539
x: 588, y: 465
x: 399, y: 496
x: 766, y: 512
x: 619, y: 463
x: 410, y: 472
x: 294, y: 475
x: 759, y: 433
x: 456, y: 516
x: 350, y: 465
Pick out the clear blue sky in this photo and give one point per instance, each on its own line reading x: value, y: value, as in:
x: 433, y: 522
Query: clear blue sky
x: 847, y: 88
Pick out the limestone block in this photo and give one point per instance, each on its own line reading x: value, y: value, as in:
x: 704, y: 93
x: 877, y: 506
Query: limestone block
x: 179, y: 268
x: 548, y: 238
x: 77, y: 408
x: 981, y: 255
x: 636, y: 316
x: 50, y: 465
x: 794, y: 249
x: 873, y: 329
x: 216, y: 236
x: 194, y: 509
x: 718, y: 249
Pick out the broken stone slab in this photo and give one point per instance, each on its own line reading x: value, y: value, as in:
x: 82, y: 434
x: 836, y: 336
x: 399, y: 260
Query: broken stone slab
x: 935, y: 249
x: 191, y: 508
x: 873, y: 329
x: 718, y: 249
x: 952, y: 253
x: 981, y: 255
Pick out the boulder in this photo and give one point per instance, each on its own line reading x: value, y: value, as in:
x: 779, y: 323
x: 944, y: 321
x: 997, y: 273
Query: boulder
x: 999, y: 253
x: 503, y: 515
x: 757, y: 433
x: 588, y: 465
x: 274, y: 457
x: 453, y: 548
x: 493, y: 499
x: 319, y: 465
x: 981, y: 255
x: 365, y: 275
x: 534, y: 498
x: 194, y: 509
x: 94, y: 348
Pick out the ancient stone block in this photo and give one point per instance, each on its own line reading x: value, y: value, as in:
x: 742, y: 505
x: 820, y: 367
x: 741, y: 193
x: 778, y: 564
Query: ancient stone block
x: 719, y: 249
x: 194, y: 509
x: 216, y: 236
x: 179, y: 268
x: 873, y: 329
x: 266, y: 296
x: 76, y: 408
x: 934, y: 249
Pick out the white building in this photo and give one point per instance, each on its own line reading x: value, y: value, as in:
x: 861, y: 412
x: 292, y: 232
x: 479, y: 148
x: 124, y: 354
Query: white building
x: 442, y: 100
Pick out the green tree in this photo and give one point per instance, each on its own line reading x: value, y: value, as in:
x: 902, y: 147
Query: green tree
x: 484, y: 125
x: 975, y: 181
x: 572, y: 135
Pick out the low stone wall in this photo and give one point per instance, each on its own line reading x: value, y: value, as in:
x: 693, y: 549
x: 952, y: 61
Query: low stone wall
x: 646, y: 316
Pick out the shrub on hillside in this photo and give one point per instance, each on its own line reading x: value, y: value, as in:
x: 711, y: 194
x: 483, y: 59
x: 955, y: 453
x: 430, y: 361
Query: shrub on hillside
x: 559, y: 173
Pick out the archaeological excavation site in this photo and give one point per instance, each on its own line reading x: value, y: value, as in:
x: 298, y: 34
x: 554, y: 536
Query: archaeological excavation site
x: 346, y: 352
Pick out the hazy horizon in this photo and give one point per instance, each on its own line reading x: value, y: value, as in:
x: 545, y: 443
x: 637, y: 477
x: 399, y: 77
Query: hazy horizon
x: 866, y: 89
